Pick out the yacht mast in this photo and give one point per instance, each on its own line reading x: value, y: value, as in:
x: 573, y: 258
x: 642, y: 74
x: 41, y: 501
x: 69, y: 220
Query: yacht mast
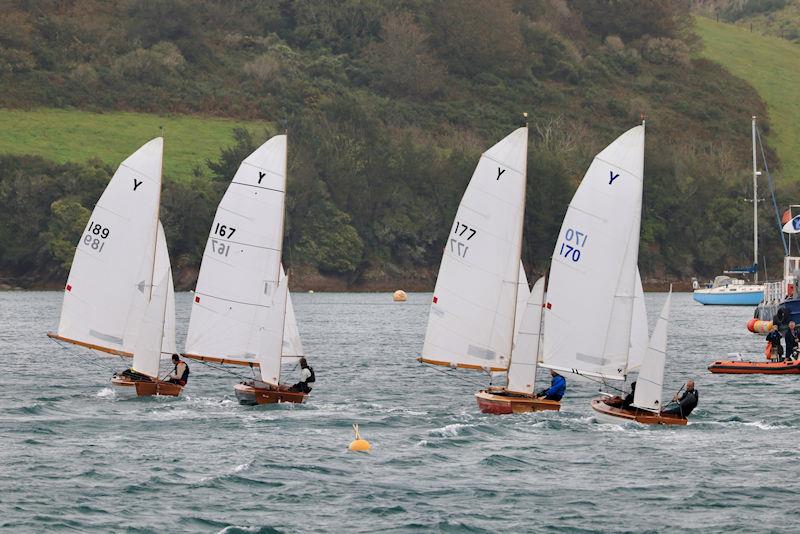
x: 755, y: 205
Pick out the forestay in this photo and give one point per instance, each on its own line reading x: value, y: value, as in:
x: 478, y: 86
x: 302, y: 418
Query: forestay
x: 650, y: 383
x: 236, y: 298
x: 590, y: 296
x: 522, y: 370
x: 108, y: 289
x: 471, y: 320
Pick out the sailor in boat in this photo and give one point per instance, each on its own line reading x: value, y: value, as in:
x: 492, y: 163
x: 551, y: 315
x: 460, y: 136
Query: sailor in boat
x: 180, y: 374
x: 790, y: 337
x: 774, y: 349
x: 558, y: 386
x: 306, y: 377
x: 619, y: 402
x: 684, y: 404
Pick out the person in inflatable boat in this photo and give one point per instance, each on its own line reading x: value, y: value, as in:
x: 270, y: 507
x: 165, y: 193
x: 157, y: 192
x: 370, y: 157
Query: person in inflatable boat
x: 775, y: 350
x: 790, y: 338
x: 684, y: 404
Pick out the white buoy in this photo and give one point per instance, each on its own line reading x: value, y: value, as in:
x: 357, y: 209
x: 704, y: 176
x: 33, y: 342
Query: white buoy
x: 400, y: 296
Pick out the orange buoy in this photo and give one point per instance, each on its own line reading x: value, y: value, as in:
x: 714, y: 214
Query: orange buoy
x: 400, y: 296
x: 359, y: 444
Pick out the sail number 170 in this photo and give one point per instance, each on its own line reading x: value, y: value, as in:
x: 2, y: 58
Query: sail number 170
x: 574, y: 240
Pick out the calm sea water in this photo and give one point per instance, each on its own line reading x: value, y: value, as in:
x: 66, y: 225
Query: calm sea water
x: 75, y: 458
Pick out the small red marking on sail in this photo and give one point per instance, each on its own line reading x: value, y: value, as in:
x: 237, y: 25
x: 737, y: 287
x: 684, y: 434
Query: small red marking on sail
x: 549, y: 306
x: 69, y: 287
x: 435, y: 300
x: 197, y: 299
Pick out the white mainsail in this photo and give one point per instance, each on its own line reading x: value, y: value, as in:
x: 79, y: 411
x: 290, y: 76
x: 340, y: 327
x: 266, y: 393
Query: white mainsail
x: 292, y: 345
x: 650, y: 383
x: 590, y: 295
x: 639, y: 337
x: 522, y: 370
x: 107, y: 289
x: 471, y: 320
x: 238, y: 292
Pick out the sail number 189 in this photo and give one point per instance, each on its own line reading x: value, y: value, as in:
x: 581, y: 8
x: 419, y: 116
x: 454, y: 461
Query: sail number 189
x: 574, y: 240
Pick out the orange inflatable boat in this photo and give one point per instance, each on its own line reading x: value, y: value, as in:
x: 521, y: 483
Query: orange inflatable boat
x: 791, y: 367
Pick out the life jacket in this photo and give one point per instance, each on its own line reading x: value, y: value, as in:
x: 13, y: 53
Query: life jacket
x: 185, y: 376
x: 311, y: 378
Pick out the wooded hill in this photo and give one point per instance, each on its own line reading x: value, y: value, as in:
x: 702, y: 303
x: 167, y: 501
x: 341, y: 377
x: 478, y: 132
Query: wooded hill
x: 388, y: 106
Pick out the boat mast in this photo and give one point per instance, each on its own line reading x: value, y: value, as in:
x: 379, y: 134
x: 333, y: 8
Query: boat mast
x: 755, y: 205
x: 519, y: 248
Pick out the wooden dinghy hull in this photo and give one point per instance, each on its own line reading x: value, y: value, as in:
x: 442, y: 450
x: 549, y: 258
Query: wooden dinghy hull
x: 499, y: 401
x: 755, y: 368
x: 250, y: 395
x: 614, y: 415
x: 129, y: 389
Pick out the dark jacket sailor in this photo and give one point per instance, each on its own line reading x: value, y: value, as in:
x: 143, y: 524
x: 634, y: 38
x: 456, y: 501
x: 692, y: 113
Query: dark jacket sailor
x: 180, y: 374
x: 790, y: 337
x: 558, y: 385
x: 306, y: 378
x: 774, y: 337
x: 684, y: 404
x: 628, y: 400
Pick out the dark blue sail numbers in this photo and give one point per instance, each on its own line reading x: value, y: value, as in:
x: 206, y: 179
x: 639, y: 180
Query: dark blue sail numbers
x: 574, y: 241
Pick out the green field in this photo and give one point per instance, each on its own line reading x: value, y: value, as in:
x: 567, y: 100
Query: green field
x: 772, y: 66
x: 71, y: 135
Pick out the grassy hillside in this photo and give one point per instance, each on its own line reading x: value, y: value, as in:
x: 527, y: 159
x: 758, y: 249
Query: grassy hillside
x: 772, y: 66
x: 389, y: 106
x: 64, y: 135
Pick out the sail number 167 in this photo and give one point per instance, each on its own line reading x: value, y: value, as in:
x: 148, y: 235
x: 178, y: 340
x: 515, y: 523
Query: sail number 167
x: 574, y: 240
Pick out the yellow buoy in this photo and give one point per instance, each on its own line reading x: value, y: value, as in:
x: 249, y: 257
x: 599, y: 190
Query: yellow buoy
x: 359, y: 444
x: 400, y: 296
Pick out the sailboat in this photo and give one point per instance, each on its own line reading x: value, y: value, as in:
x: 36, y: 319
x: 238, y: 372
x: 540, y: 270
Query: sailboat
x: 647, y: 405
x: 119, y: 298
x: 517, y: 396
x: 242, y: 314
x: 481, y: 291
x: 594, y: 314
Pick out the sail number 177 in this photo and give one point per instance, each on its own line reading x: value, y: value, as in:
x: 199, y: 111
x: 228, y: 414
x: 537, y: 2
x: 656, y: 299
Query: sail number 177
x: 574, y: 240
